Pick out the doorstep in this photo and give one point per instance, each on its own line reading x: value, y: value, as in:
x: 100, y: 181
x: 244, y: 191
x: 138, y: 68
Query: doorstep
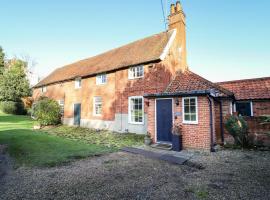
x: 169, y: 156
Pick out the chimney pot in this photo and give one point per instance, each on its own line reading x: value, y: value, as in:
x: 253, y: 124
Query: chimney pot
x: 178, y: 6
x: 172, y: 9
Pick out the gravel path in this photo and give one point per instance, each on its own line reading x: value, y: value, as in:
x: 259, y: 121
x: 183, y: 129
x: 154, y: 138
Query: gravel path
x: 226, y: 175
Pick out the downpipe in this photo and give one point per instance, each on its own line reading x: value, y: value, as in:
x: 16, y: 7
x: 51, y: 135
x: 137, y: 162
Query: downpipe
x: 212, y: 149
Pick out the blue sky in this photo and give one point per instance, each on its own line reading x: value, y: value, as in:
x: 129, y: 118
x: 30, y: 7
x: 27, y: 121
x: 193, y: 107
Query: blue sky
x: 226, y: 39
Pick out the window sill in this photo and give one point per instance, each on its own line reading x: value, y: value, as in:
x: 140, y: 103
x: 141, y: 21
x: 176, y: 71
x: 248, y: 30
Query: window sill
x: 129, y: 78
x: 190, y: 123
x: 136, y: 123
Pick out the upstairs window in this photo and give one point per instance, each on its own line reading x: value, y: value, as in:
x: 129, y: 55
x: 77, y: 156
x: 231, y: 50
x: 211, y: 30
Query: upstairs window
x: 44, y: 89
x: 101, y: 79
x: 136, y: 110
x: 61, y: 104
x: 190, y: 110
x: 244, y: 108
x: 136, y: 72
x: 97, y: 106
x: 78, y: 83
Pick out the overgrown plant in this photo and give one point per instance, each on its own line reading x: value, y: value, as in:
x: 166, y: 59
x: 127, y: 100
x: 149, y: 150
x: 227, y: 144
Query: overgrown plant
x: 47, y: 112
x: 238, y: 128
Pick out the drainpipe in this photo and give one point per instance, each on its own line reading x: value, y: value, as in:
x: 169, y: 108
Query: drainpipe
x: 221, y: 123
x: 211, y: 124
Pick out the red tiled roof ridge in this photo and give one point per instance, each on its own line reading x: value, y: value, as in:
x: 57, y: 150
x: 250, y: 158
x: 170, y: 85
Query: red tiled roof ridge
x: 244, y: 80
x: 190, y: 81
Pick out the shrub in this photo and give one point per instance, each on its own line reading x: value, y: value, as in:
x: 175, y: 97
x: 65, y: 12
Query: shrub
x: 47, y: 111
x: 238, y: 128
x: 11, y: 107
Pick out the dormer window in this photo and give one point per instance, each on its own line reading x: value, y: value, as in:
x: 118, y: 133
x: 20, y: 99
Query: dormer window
x: 44, y: 89
x: 78, y: 83
x: 136, y: 72
x: 101, y: 79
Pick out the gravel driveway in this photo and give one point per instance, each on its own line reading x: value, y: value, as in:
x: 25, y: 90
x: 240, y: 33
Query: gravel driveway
x: 226, y: 175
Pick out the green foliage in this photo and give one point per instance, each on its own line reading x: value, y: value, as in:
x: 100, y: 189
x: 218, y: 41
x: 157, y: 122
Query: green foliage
x: 11, y: 107
x: 103, y: 137
x: 14, y: 84
x: 238, y: 128
x: 36, y: 148
x: 47, y: 112
x: 265, y: 119
x: 2, y: 61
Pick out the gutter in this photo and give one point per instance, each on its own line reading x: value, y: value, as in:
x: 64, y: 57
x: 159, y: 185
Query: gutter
x: 177, y: 94
x: 211, y: 124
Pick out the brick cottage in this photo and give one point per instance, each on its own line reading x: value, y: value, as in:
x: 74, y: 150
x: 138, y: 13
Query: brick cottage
x: 145, y: 86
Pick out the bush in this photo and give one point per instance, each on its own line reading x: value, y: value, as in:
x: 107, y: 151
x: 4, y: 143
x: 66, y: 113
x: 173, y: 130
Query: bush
x: 238, y: 128
x: 11, y: 107
x: 47, y: 111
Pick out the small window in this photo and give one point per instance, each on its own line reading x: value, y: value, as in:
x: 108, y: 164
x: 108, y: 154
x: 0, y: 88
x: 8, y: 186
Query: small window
x: 78, y: 83
x: 101, y: 79
x: 135, y: 72
x: 190, y: 110
x: 97, y: 106
x: 136, y: 110
x: 244, y: 108
x: 44, y: 89
x: 61, y: 104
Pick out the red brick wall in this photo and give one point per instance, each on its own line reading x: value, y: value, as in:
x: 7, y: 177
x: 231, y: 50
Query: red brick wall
x: 261, y: 108
x: 195, y: 136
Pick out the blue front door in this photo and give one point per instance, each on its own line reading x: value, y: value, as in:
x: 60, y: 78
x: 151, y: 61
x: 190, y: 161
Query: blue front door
x: 164, y: 120
x: 77, y: 114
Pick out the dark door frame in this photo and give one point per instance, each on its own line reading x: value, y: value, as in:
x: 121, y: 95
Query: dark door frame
x: 156, y: 139
x: 74, y: 116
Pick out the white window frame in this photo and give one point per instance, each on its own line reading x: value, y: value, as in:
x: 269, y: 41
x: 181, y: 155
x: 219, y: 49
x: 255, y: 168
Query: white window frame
x: 94, y: 106
x: 129, y: 110
x: 250, y: 104
x: 131, y: 74
x: 99, y: 79
x: 183, y: 110
x: 43, y: 89
x: 78, y: 83
x: 61, y: 103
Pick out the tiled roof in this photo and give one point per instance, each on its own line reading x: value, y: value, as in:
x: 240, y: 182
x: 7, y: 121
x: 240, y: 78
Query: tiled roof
x: 248, y: 89
x: 142, y: 51
x: 190, y: 82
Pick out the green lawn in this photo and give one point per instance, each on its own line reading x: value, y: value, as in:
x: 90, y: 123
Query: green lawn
x: 37, y: 148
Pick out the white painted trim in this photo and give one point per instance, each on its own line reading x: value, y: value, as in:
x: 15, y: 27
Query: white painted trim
x: 231, y: 107
x: 183, y: 111
x: 168, y: 46
x: 251, y: 109
x: 132, y: 78
x: 129, y: 109
x: 75, y: 83
x: 94, y: 107
x: 156, y: 115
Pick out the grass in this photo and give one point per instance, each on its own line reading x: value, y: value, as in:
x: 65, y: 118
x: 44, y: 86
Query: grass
x: 104, y: 138
x: 37, y: 148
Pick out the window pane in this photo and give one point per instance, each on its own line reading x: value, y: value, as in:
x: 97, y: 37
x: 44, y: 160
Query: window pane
x: 187, y: 109
x: 187, y: 117
x: 243, y: 108
x: 192, y: 109
x: 193, y: 117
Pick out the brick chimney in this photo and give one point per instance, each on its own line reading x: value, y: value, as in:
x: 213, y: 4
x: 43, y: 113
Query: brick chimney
x: 177, y: 20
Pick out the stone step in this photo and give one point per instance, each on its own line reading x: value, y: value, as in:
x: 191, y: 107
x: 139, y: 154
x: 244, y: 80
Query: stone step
x: 162, y: 146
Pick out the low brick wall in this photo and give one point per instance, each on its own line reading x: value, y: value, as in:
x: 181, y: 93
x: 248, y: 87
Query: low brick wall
x: 259, y: 132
